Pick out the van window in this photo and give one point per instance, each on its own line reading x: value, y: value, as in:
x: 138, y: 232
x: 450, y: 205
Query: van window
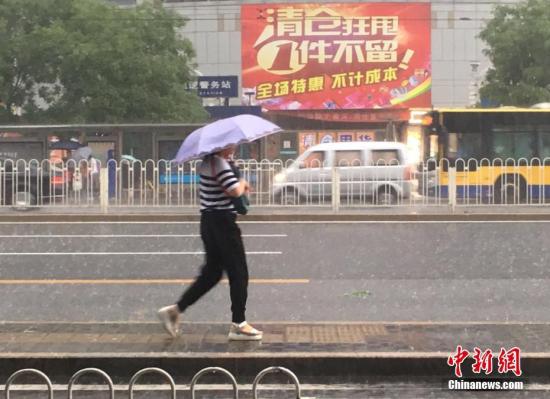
x: 348, y: 158
x: 385, y: 157
x: 314, y: 160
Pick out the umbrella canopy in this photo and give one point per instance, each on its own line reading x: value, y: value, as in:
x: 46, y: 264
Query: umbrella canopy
x: 223, y: 133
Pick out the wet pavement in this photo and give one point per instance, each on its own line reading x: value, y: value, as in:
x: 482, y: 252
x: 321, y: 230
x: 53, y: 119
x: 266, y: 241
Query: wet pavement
x: 333, y: 360
x: 280, y: 339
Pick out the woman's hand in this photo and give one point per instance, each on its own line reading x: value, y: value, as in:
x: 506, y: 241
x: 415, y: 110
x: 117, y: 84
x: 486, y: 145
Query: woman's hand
x: 242, y: 188
x: 246, y: 187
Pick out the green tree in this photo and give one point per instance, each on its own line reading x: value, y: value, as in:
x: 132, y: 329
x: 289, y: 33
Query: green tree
x: 518, y: 39
x: 90, y: 61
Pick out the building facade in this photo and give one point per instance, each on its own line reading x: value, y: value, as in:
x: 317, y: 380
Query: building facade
x: 458, y: 66
x: 458, y: 63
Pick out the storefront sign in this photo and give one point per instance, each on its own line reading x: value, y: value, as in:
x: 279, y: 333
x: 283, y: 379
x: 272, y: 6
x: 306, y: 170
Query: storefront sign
x: 218, y: 86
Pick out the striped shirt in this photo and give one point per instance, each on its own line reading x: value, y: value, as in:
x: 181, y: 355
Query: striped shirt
x: 216, y: 178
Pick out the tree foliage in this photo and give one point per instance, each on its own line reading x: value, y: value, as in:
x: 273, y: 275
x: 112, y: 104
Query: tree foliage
x: 90, y: 61
x: 518, y: 39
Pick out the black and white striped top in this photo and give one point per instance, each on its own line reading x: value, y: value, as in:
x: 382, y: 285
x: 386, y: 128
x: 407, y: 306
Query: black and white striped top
x: 216, y: 176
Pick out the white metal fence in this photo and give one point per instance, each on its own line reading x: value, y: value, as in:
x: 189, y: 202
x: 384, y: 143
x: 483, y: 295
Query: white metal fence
x: 28, y: 184
x: 9, y: 386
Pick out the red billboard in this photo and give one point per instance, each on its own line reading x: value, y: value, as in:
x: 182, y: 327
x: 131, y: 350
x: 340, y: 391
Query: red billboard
x: 337, y: 56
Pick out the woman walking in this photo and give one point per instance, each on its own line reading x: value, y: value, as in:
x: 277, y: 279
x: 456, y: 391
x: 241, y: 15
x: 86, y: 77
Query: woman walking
x: 223, y: 245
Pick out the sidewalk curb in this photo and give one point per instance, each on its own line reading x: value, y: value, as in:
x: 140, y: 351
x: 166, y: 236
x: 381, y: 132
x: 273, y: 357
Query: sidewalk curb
x: 349, y: 352
x: 351, y: 366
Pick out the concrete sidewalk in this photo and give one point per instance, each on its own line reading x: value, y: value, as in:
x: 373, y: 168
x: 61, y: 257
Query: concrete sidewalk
x: 311, y: 350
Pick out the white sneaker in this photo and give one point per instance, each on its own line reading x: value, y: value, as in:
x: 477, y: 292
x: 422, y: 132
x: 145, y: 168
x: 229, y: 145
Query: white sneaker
x: 170, y: 318
x: 244, y: 332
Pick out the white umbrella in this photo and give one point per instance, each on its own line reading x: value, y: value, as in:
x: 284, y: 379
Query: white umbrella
x: 223, y: 133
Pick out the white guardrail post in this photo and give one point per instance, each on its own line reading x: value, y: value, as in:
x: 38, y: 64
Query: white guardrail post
x: 104, y: 189
x: 335, y: 189
x: 452, y: 188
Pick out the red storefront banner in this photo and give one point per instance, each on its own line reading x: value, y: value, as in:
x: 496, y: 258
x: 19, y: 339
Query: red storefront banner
x: 337, y: 56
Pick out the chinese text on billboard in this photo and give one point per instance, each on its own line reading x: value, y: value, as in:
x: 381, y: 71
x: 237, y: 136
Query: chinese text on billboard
x: 337, y: 56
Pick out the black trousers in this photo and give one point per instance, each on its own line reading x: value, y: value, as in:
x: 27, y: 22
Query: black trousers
x: 224, y: 252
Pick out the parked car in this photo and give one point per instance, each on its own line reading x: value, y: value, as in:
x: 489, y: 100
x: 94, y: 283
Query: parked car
x: 22, y: 184
x: 376, y: 170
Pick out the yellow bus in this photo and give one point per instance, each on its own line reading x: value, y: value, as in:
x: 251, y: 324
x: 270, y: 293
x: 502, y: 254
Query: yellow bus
x: 499, y: 155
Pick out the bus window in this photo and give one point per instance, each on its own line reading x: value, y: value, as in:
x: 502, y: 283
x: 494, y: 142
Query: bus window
x: 513, y: 144
x: 463, y: 145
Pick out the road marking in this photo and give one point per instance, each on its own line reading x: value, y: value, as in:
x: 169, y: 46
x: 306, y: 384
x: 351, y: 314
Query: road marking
x: 296, y: 222
x: 394, y: 221
x: 140, y: 281
x: 123, y: 253
x: 104, y: 222
x: 127, y: 235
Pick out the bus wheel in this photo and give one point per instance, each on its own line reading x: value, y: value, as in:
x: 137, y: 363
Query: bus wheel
x: 510, y: 189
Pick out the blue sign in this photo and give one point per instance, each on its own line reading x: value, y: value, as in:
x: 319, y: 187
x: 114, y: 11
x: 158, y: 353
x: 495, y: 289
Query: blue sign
x: 218, y: 86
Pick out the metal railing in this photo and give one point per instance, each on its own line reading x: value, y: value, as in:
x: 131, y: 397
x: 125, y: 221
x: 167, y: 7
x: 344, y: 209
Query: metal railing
x: 18, y: 373
x: 271, y: 370
x: 214, y: 370
x: 99, y: 372
x: 153, y: 370
x: 454, y: 183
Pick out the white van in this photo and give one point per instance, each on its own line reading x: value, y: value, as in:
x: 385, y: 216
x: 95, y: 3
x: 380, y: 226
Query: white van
x: 375, y: 170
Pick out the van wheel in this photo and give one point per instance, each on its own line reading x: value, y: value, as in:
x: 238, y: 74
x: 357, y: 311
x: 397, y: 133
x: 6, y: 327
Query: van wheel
x: 510, y: 189
x: 288, y: 196
x: 23, y: 200
x: 386, y: 196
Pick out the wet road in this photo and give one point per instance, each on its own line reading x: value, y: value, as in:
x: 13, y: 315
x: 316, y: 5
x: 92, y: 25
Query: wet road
x: 375, y: 271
